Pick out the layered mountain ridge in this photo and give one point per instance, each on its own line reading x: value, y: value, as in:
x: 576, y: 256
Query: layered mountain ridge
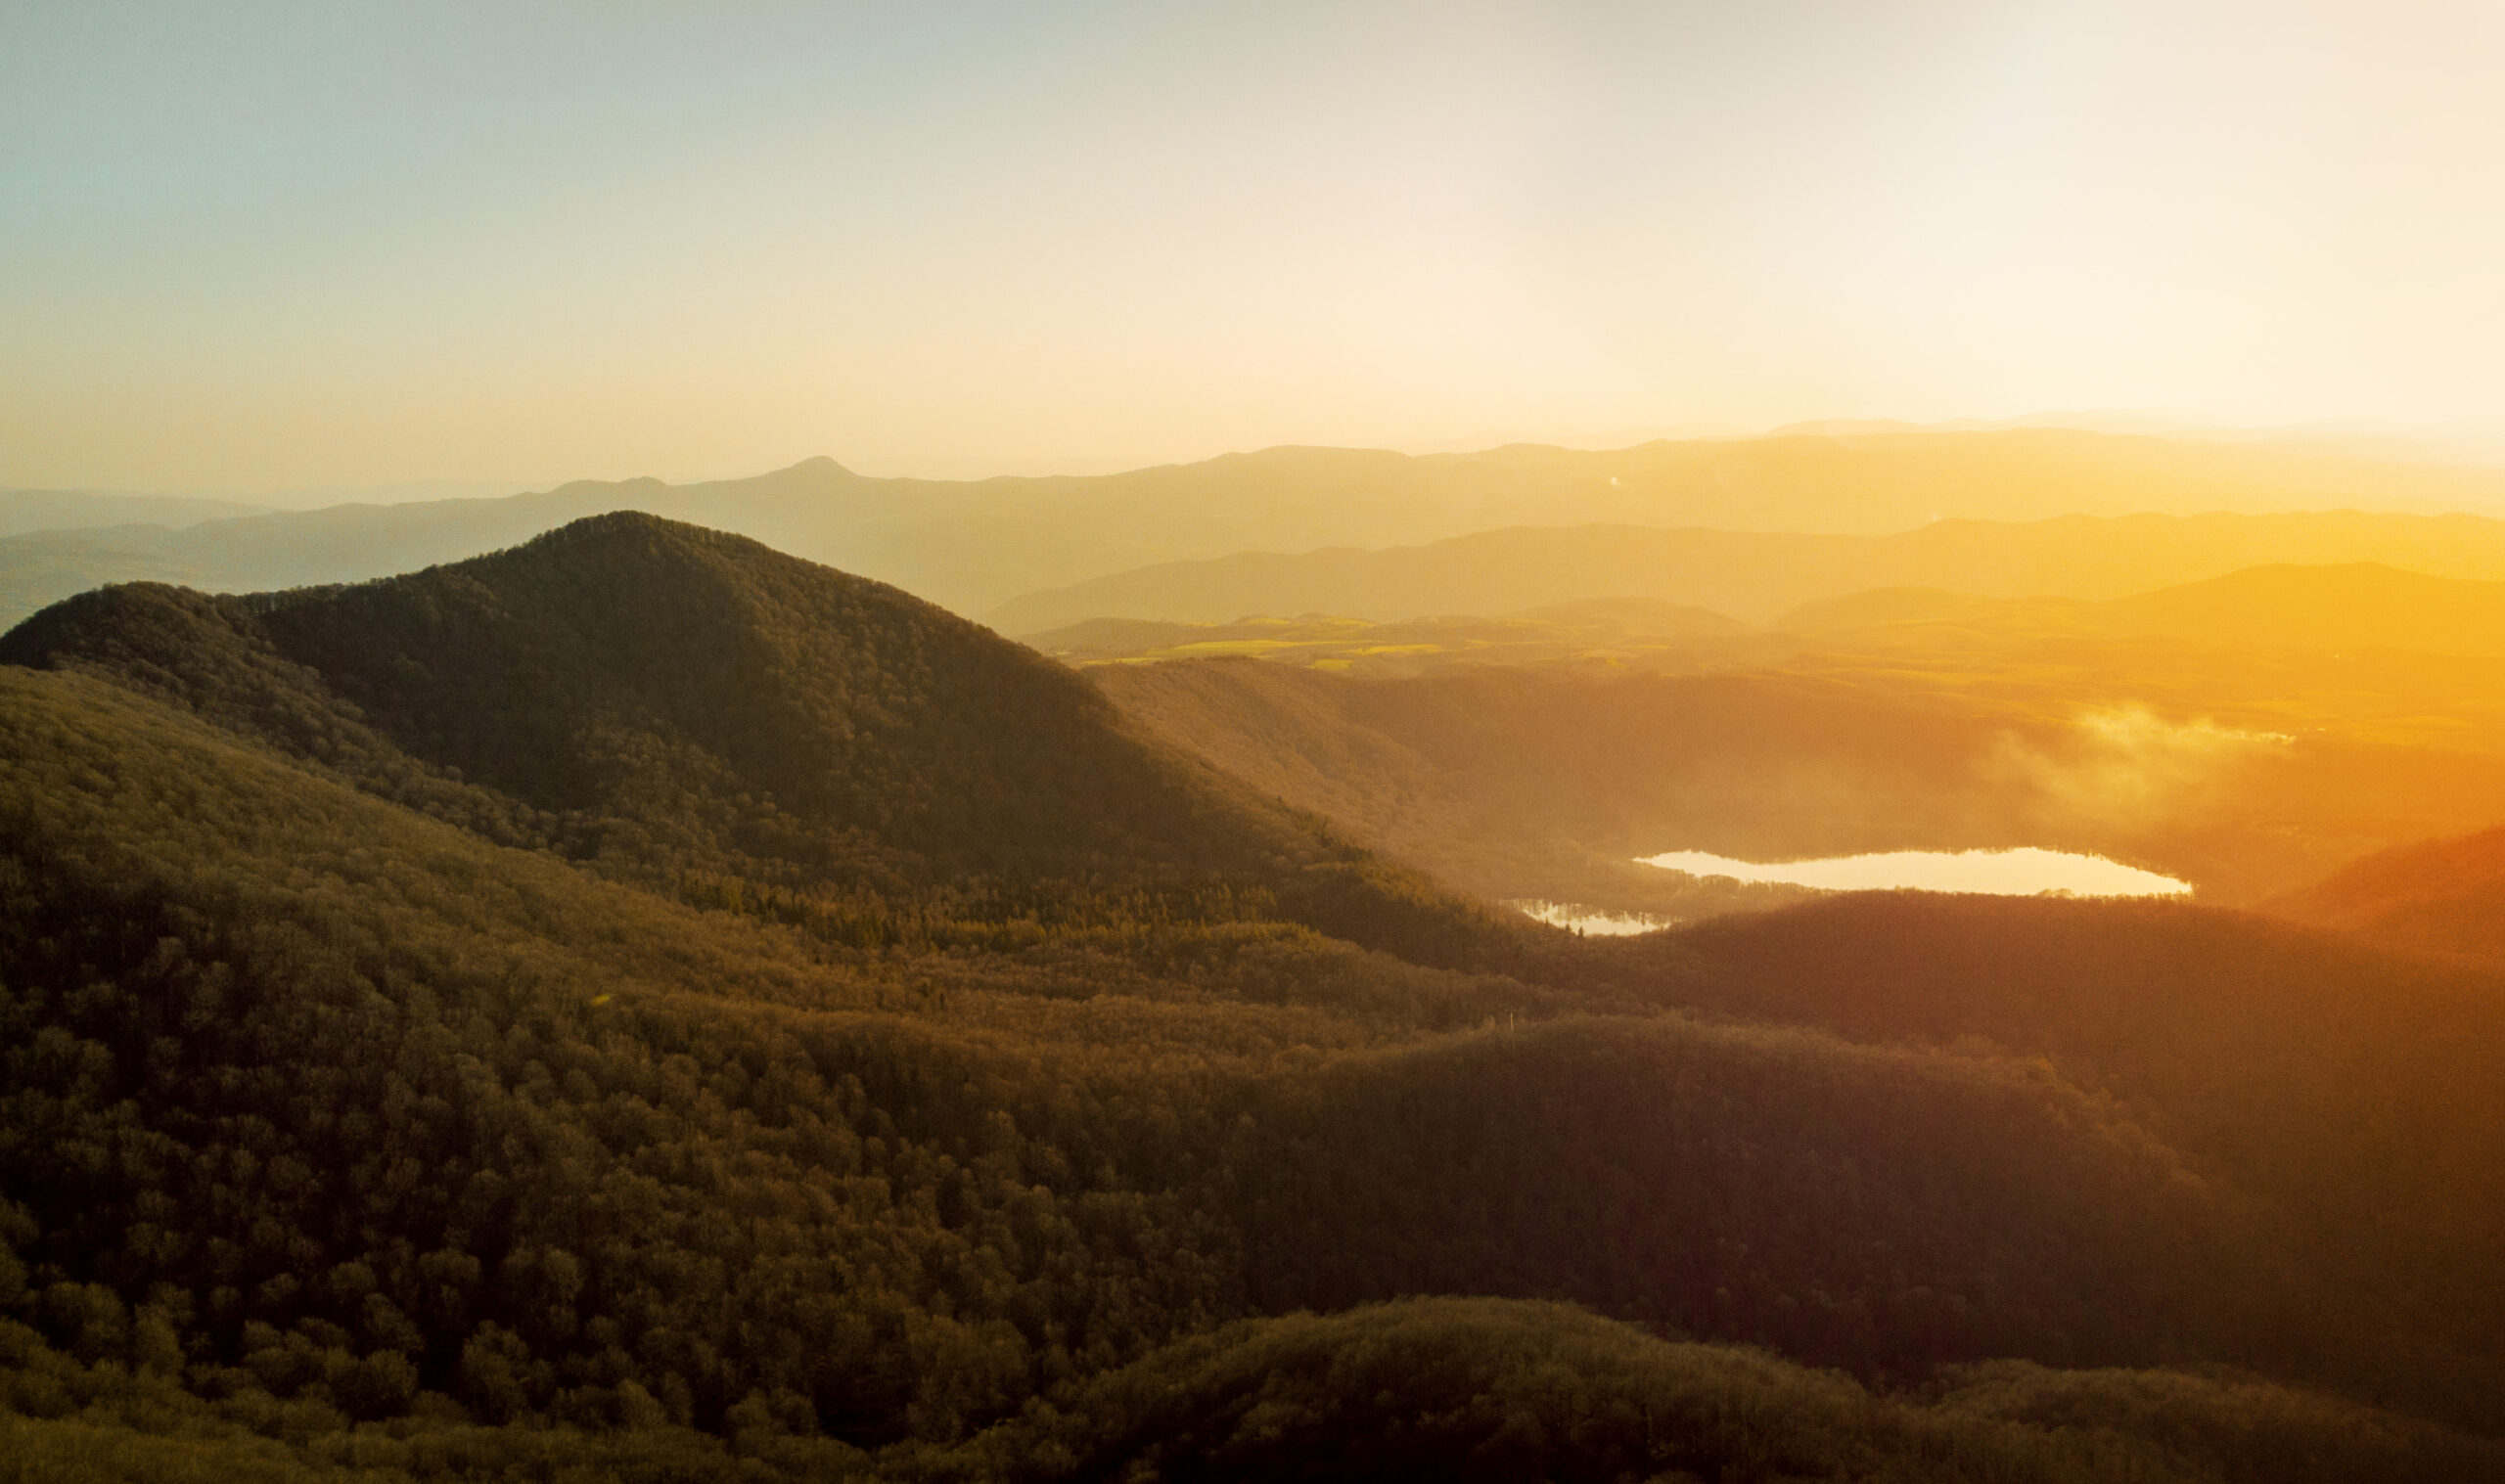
x: 1759, y: 575
x: 973, y: 546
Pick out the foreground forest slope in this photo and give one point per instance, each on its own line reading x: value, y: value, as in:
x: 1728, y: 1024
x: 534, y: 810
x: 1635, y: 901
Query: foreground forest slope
x: 2360, y: 1092
x: 321, y: 1110
x: 354, y: 1109
x: 1473, y: 1390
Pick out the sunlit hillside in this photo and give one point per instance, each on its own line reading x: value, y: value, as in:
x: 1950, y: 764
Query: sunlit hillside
x: 2441, y: 896
x: 2246, y: 734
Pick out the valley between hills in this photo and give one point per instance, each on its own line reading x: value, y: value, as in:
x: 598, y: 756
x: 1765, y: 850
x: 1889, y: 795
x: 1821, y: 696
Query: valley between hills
x: 640, y: 1005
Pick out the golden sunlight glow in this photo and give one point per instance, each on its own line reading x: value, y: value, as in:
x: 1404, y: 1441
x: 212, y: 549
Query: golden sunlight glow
x: 525, y: 244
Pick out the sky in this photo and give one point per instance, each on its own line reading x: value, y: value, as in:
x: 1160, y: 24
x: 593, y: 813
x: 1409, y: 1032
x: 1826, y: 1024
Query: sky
x: 257, y: 247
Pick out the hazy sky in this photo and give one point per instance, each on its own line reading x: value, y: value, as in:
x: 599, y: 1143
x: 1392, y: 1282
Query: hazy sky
x: 253, y: 245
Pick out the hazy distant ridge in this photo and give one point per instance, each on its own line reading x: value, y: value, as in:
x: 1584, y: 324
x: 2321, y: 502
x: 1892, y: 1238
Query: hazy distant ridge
x: 1759, y: 576
x: 23, y: 511
x: 973, y: 545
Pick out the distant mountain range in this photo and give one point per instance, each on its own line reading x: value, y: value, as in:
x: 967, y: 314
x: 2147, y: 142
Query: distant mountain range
x: 2346, y: 607
x: 56, y: 510
x: 974, y: 546
x: 2285, y: 607
x: 1760, y: 575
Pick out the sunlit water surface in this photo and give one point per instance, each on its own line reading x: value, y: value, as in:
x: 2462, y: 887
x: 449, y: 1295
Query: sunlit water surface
x: 1592, y: 920
x: 1998, y: 873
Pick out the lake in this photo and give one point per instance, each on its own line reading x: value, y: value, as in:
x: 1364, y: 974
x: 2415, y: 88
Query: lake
x: 2024, y: 871
x: 1593, y: 922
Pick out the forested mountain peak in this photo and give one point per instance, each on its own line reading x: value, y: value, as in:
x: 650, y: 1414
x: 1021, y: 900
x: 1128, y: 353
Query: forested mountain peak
x: 652, y: 689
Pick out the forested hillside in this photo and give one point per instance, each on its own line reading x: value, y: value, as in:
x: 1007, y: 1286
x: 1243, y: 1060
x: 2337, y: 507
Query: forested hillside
x: 696, y: 710
x: 2443, y: 896
x: 2351, y: 1088
x: 641, y: 1005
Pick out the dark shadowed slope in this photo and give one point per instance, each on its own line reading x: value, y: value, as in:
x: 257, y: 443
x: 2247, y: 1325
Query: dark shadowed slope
x: 679, y: 705
x: 1435, y: 1390
x: 628, y: 673
x: 2362, y: 1091
x: 398, y: 1122
x: 2437, y: 896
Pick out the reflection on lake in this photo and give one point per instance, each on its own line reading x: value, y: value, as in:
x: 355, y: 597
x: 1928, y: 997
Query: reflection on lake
x: 1593, y: 921
x: 1999, y: 872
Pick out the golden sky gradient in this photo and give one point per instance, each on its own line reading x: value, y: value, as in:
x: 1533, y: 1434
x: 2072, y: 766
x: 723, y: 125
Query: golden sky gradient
x: 258, y: 247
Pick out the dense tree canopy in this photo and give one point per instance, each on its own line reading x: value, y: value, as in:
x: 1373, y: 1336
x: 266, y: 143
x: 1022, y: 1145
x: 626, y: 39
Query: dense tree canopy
x: 743, y: 1019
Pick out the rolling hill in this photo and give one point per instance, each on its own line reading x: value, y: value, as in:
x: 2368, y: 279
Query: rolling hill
x: 627, y: 673
x: 2443, y: 896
